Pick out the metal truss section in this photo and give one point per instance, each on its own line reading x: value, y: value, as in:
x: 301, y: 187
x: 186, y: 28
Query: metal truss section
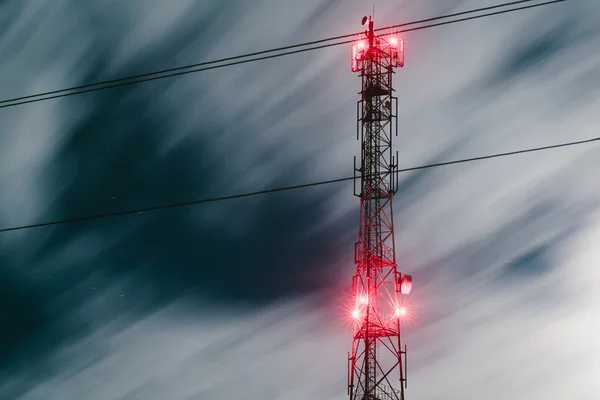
x: 376, y: 364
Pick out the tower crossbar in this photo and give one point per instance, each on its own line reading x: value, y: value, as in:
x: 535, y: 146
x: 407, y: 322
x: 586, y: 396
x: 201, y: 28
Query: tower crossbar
x: 377, y: 361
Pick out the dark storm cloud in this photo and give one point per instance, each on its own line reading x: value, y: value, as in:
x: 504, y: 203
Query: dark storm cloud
x: 11, y: 45
x: 544, y: 47
x: 8, y: 11
x: 518, y: 253
x: 317, y: 15
x: 539, y: 225
x: 531, y: 263
x: 533, y: 52
x: 113, y: 152
x: 449, y: 7
x: 110, y: 161
x: 20, y: 311
x: 79, y: 171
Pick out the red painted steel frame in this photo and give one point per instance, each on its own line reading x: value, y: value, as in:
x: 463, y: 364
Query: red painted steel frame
x: 377, y: 348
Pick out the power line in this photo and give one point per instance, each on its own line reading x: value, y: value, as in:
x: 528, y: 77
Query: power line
x: 476, y: 10
x: 287, y: 188
x: 192, y: 68
x: 252, y: 54
x: 258, y: 53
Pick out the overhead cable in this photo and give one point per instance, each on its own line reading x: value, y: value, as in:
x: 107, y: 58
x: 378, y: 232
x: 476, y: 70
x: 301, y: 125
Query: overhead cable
x: 244, y: 59
x: 288, y: 188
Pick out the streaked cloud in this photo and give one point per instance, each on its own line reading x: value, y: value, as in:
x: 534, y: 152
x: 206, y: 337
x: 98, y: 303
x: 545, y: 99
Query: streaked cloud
x: 238, y: 299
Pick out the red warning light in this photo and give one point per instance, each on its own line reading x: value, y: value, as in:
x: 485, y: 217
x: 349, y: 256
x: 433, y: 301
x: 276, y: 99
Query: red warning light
x: 389, y: 46
x: 405, y: 283
x: 400, y: 311
x: 359, y: 52
x: 355, y: 58
x: 356, y: 314
x: 397, y: 51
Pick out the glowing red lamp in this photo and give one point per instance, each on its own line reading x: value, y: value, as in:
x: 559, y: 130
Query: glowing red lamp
x: 397, y: 51
x: 400, y: 311
x: 405, y: 283
x: 359, y: 52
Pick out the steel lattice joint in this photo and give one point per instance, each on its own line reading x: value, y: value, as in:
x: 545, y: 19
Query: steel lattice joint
x: 377, y: 356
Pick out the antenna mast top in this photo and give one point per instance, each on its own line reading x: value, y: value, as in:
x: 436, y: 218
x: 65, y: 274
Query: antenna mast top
x: 377, y: 306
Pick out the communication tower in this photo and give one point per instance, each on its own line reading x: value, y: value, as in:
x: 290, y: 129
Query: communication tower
x: 377, y: 362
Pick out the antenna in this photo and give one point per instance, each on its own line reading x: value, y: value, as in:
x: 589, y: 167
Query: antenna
x: 377, y: 361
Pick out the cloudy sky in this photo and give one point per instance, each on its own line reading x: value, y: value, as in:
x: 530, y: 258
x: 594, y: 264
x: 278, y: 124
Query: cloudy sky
x: 241, y: 299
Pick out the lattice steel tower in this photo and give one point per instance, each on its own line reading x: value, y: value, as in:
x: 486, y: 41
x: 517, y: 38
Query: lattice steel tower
x: 377, y: 287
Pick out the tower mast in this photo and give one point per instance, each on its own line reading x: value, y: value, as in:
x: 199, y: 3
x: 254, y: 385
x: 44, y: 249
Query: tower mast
x: 377, y: 351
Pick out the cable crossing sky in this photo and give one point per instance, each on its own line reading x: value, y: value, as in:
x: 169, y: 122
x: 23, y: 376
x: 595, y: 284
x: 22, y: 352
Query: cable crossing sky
x: 287, y: 188
x: 264, y: 55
